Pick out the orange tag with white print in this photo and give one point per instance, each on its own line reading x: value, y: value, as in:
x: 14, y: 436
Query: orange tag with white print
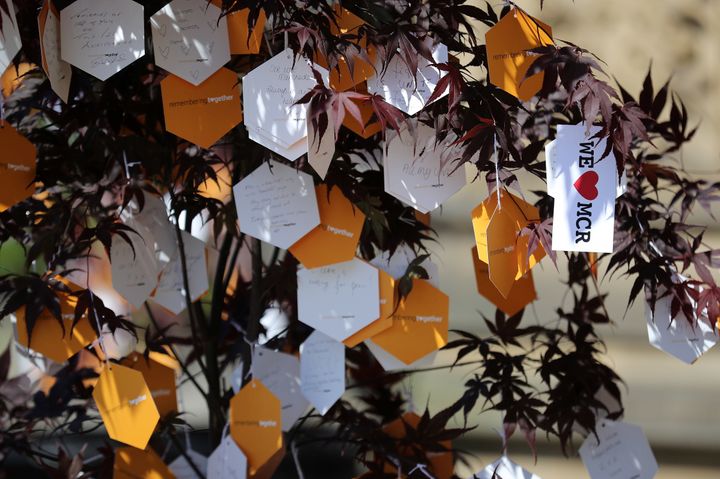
x: 126, y: 405
x: 255, y: 415
x: 335, y: 239
x: 420, y: 324
x: 159, y: 378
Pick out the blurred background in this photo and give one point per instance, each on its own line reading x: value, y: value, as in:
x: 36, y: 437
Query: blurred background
x: 674, y: 403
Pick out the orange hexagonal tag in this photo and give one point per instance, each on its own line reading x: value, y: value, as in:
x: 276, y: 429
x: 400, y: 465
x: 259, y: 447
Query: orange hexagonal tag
x: 387, y: 305
x: 242, y: 42
x: 420, y: 324
x: 441, y: 463
x: 17, y: 166
x: 255, y: 415
x: 48, y: 337
x: 126, y: 405
x: 132, y: 463
x: 335, y: 239
x: 267, y: 471
x: 159, y: 378
x: 498, y: 239
x: 521, y: 294
x: 508, y: 60
x: 202, y: 114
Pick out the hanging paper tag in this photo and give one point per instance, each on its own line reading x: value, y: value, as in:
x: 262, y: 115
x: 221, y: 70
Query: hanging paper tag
x: 585, y: 186
x: 126, y: 405
x: 522, y: 292
x: 101, y: 37
x: 336, y: 238
x: 339, y: 299
x: 190, y: 39
x: 58, y: 71
x: 621, y: 452
x: 227, y: 461
x: 255, y: 423
x: 322, y: 370
x: 276, y: 204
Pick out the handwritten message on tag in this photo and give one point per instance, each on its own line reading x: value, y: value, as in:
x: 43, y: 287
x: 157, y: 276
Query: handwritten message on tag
x: 190, y: 39
x: 10, y: 42
x: 400, y: 88
x: 227, y: 461
x: 339, y: 299
x: 134, y: 270
x: 271, y: 115
x: 420, y: 172
x: 101, y: 37
x: 585, y: 186
x: 58, y: 71
x: 276, y: 204
x: 255, y: 415
x: 675, y: 335
x: 126, y: 406
x: 280, y: 373
x: 322, y: 370
x: 620, y: 451
x: 170, y: 292
x: 506, y: 469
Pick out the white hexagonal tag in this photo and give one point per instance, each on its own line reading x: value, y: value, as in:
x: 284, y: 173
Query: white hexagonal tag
x: 134, y: 269
x: 227, y: 461
x: 506, y: 469
x: 398, y: 87
x: 322, y: 370
x: 10, y: 42
x: 277, y: 204
x: 170, y: 292
x: 190, y: 39
x: 101, y: 37
x: 676, y: 336
x: 619, y: 450
x: 420, y: 172
x: 280, y: 373
x: 58, y: 71
x: 339, y: 299
x: 269, y: 95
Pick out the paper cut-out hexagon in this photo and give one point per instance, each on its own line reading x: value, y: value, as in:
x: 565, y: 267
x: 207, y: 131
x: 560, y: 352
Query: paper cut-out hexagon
x: 134, y: 268
x: 101, y: 37
x: 17, y: 167
x: 10, y: 42
x: 280, y: 373
x: 336, y: 238
x: 420, y: 324
x: 676, y: 336
x: 159, y: 378
x: 339, y: 299
x: 190, y: 39
x: 202, y: 114
x: 132, y: 463
x: 227, y: 461
x: 277, y: 204
x: 521, y: 294
x: 126, y: 406
x: 255, y: 427
x: 322, y: 370
x: 420, y: 173
x: 508, y: 62
x: 270, y: 92
x: 398, y: 87
x: 48, y: 337
x: 387, y: 306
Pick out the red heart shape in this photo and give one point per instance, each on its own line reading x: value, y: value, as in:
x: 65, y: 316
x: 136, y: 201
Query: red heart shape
x: 587, y: 185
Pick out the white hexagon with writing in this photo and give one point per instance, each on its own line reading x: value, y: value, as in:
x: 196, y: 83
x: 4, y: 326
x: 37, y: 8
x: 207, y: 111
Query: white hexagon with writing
x: 101, y: 37
x: 420, y: 173
x: 339, y: 299
x: 190, y: 39
x: 277, y: 204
